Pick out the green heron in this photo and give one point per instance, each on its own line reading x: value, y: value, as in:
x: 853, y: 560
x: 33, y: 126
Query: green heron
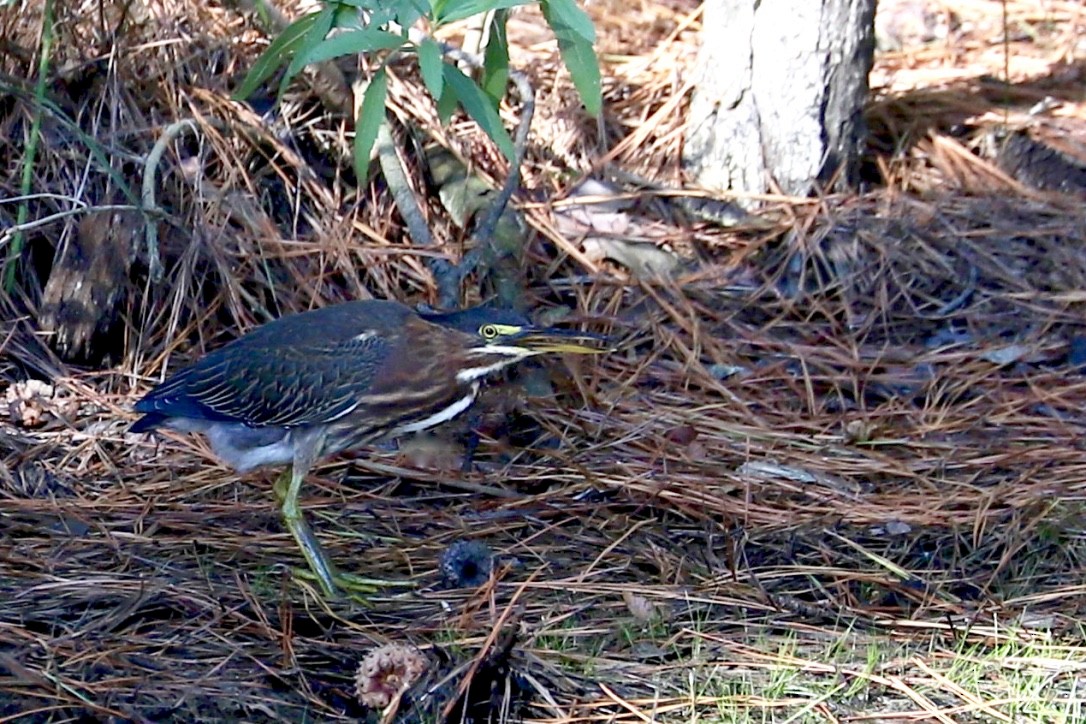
x: 310, y: 385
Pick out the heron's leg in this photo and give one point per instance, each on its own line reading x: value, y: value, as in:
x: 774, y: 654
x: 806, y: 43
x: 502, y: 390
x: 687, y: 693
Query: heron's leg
x: 471, y: 443
x: 287, y: 488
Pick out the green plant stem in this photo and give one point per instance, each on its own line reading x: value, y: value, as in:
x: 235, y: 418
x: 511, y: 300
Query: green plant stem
x: 18, y: 240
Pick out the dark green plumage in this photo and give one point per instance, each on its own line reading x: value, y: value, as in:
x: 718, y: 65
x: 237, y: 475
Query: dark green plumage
x: 300, y: 369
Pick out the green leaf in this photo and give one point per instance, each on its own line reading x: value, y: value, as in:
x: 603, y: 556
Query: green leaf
x: 478, y: 106
x: 369, y: 5
x: 446, y: 105
x: 379, y: 18
x: 568, y: 14
x: 408, y: 12
x: 379, y: 13
x: 466, y: 8
x: 584, y: 68
x: 280, y: 49
x: 352, y: 42
x: 348, y: 17
x: 578, y: 55
x: 496, y: 59
x: 370, y: 118
x: 312, y: 37
x: 430, y: 62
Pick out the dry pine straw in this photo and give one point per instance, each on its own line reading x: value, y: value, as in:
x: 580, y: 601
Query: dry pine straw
x: 149, y: 574
x: 869, y: 424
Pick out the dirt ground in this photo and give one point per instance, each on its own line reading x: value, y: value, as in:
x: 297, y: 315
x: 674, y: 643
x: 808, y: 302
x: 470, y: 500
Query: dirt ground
x: 833, y: 470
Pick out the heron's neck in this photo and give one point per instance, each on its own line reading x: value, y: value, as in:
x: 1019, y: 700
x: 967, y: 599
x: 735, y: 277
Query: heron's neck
x: 443, y: 415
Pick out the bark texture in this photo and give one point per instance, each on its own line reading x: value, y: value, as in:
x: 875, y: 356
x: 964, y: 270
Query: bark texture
x: 779, y: 94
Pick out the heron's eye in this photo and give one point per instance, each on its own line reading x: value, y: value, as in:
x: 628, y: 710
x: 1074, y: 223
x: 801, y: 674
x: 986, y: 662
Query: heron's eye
x: 488, y: 331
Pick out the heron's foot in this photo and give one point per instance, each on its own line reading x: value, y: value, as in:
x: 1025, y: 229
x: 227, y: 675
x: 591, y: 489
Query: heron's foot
x: 348, y: 586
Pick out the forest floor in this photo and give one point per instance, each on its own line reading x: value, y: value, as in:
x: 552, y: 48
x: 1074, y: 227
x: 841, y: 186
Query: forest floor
x: 834, y: 470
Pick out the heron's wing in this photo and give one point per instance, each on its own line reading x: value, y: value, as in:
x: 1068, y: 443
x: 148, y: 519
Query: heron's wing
x: 287, y: 386
x: 283, y: 380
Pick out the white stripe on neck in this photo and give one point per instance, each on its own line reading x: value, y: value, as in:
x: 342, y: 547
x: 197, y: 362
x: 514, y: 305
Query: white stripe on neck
x: 515, y: 354
x: 442, y: 415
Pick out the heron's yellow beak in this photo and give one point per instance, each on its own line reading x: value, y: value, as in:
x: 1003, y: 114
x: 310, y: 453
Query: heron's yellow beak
x: 571, y: 341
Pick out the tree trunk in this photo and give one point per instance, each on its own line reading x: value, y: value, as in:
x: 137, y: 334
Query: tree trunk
x: 779, y: 94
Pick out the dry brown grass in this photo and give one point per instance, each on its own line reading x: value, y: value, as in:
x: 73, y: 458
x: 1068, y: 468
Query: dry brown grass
x: 833, y: 471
